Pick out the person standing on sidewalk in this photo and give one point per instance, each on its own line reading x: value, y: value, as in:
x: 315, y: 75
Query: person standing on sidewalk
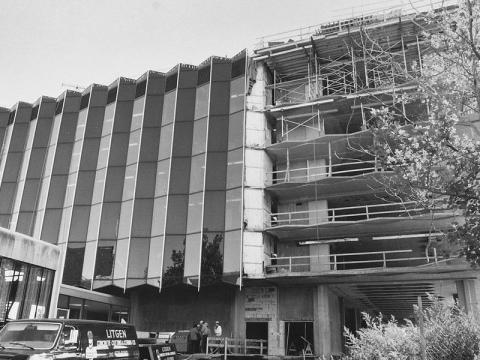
x: 205, y: 334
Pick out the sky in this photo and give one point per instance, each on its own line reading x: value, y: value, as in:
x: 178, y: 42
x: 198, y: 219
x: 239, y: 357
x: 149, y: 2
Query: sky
x: 47, y: 43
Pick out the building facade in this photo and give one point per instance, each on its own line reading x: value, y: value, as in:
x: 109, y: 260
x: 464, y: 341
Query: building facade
x: 234, y: 190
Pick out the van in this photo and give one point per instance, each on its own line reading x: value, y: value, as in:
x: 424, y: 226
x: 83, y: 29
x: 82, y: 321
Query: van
x: 68, y: 339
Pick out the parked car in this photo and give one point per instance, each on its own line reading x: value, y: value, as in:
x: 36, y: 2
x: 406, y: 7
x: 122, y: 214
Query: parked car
x: 76, y: 339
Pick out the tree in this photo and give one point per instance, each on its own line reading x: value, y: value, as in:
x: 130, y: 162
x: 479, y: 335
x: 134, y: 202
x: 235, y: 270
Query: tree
x: 435, y: 159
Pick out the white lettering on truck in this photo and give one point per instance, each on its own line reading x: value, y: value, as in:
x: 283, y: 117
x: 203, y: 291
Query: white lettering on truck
x: 116, y: 334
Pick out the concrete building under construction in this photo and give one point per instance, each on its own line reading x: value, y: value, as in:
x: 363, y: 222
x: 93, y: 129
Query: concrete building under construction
x: 234, y: 190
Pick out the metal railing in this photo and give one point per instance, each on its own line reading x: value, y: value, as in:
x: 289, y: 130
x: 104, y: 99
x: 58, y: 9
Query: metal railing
x: 310, y: 173
x: 377, y: 14
x: 350, y: 213
x: 236, y: 346
x: 337, y: 262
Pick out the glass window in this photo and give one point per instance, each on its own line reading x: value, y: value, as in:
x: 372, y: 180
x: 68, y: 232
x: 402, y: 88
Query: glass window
x: 94, y: 223
x: 218, y: 133
x: 146, y: 180
x: 133, y: 147
x: 29, y: 334
x: 114, y: 183
x: 58, y: 184
x: 212, y: 258
x: 129, y: 182
x: 173, y: 260
x: 177, y: 214
x: 179, y: 175
x: 94, y: 310
x: 197, y: 173
x: 216, y: 171
x: 99, y: 186
x: 123, y: 117
x: 237, y: 92
x: 214, y: 215
x: 51, y: 225
x: 61, y: 163
x: 72, y: 273
x: 90, y: 154
x: 185, y: 105
x: 192, y: 258
x: 201, y: 101
x: 235, y: 131
x: 110, y: 219
x: 103, y: 152
x: 79, y: 224
x: 45, y: 294
x: 30, y: 193
x: 220, y: 98
x: 85, y: 182
x: 159, y: 214
x: 163, y: 168
x: 68, y: 128
x: 165, y: 147
x: 168, y: 108
x: 155, y: 258
x: 199, y: 136
x: 104, y: 260
x: 232, y: 252
x: 35, y: 165
x: 142, y: 217
x: 121, y: 258
x: 234, y: 168
x: 149, y: 146
x: 138, y: 258
x: 182, y: 144
x: 119, y: 149
x: 95, y: 122
x: 195, y: 210
x: 125, y: 219
x: 233, y: 209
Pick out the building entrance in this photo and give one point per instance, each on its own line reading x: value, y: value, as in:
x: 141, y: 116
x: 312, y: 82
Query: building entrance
x: 299, y: 338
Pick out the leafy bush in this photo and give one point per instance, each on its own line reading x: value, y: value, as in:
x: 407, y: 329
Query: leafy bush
x: 450, y: 334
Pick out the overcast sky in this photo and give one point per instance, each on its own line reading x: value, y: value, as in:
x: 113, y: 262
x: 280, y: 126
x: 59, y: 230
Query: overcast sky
x: 44, y: 43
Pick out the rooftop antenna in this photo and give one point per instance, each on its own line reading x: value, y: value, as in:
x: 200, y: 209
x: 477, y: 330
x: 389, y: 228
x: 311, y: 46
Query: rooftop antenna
x: 73, y: 86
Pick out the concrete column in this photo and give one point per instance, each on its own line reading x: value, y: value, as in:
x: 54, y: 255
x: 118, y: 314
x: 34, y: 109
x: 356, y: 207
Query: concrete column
x: 327, y: 322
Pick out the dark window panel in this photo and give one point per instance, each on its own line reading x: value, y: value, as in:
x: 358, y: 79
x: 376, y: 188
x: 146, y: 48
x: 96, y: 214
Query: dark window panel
x: 212, y: 258
x: 34, y: 114
x: 140, y: 88
x: 142, y: 218
x: 179, y: 176
x: 138, y: 258
x: 114, y: 184
x: 72, y: 273
x: 214, y: 213
x: 238, y: 67
x: 173, y: 260
x: 171, y: 82
x: 59, y: 107
x: 203, y: 75
x: 112, y: 95
x: 177, y: 214
x: 84, y: 101
x: 216, y: 171
x: 110, y: 219
x: 182, y: 143
x: 11, y: 117
x: 218, y: 133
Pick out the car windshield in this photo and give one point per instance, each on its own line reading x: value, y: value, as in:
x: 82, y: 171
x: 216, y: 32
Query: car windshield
x: 29, y: 335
